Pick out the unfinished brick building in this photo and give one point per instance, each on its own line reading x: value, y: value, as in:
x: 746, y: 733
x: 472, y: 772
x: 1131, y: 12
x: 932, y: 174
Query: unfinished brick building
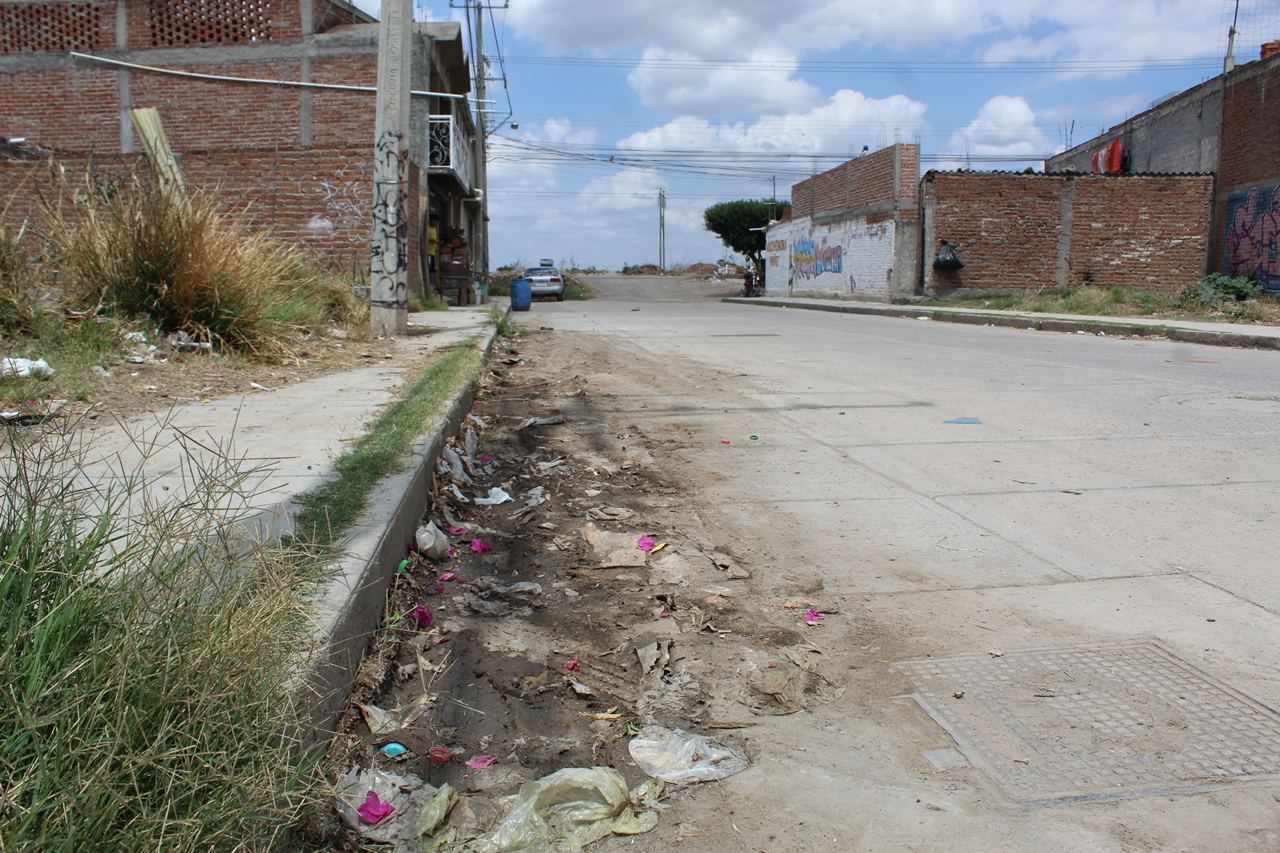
x: 301, y: 160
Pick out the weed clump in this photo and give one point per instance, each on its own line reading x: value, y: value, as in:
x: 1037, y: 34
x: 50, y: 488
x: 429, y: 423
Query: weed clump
x: 147, y: 668
x: 183, y: 264
x: 1215, y: 289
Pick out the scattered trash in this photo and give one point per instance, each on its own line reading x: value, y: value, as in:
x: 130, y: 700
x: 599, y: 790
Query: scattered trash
x: 456, y: 469
x: 996, y: 653
x: 812, y: 617
x: 448, y: 576
x: 24, y: 368
x: 380, y: 805
x: 570, y: 809
x: 754, y: 437
x: 440, y: 755
x: 537, y: 422
x: 100, y: 371
x: 260, y: 386
x: 646, y: 543
x: 457, y: 493
x: 964, y: 420
x: 537, y: 497
x: 373, y: 810
x: 479, y: 546
x: 580, y: 688
x: 609, y: 513
x: 656, y: 654
x: 431, y: 542
x: 403, y: 567
x: 457, y: 531
x: 959, y: 694
x: 382, y: 722
x: 481, y: 762
x: 496, y: 496
x: 791, y: 683
x: 572, y: 665
x: 134, y: 338
x: 725, y: 441
x: 606, y: 716
x: 394, y: 749
x: 422, y: 616
x: 681, y: 757
x: 484, y: 460
x: 490, y: 597
x: 183, y: 342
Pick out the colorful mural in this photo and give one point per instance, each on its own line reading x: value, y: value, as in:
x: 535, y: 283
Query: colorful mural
x: 810, y: 260
x: 842, y: 257
x: 1253, y: 236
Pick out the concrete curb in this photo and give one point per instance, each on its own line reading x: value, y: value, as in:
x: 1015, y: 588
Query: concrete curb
x: 355, y: 599
x: 1023, y: 321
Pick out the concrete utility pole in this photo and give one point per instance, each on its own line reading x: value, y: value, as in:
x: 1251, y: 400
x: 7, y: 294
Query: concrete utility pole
x: 481, y: 165
x: 662, y: 228
x: 389, y: 267
x: 1229, y: 62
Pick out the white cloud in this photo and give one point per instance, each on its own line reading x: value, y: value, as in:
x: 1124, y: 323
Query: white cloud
x: 1005, y: 125
x: 770, y: 88
x: 845, y: 121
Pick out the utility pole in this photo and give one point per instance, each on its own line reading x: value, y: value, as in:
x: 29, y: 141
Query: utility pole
x: 662, y: 228
x: 1229, y: 63
x: 389, y: 263
x: 481, y: 165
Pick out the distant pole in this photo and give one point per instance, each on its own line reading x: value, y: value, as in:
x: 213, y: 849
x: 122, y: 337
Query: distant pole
x: 662, y: 228
x: 389, y: 264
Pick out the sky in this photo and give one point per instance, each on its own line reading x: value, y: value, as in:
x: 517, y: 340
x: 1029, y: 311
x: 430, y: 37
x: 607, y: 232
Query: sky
x: 713, y: 100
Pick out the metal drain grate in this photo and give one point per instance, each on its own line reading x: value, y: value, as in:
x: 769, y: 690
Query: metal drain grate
x: 1084, y: 723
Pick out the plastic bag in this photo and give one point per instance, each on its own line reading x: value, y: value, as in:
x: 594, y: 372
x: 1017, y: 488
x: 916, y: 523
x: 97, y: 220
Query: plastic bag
x: 681, y: 757
x: 568, y: 810
x: 24, y: 368
x: 431, y: 541
x: 404, y: 793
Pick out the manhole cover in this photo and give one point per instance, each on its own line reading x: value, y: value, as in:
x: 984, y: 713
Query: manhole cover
x: 1058, y: 725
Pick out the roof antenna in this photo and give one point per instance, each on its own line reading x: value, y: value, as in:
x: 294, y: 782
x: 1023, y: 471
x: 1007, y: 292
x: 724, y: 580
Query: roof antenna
x: 1229, y: 62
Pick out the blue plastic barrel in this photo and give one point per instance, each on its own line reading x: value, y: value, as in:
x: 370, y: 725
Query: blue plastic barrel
x: 521, y: 294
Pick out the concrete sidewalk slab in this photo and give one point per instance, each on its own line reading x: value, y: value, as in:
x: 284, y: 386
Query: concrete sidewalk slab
x: 1188, y: 331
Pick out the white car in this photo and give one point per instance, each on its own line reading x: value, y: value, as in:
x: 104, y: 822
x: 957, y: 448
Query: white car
x: 545, y: 281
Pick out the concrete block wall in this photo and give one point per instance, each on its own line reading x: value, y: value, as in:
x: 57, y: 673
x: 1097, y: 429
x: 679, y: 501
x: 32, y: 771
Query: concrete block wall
x: 1024, y: 232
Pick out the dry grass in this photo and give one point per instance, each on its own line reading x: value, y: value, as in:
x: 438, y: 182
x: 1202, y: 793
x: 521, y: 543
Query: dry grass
x: 185, y: 265
x: 147, y: 664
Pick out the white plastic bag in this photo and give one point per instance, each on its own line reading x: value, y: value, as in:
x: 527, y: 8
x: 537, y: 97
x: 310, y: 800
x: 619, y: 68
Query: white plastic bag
x: 431, y: 541
x: 681, y: 757
x: 24, y: 368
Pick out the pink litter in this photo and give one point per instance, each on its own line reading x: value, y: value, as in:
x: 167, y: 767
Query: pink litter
x: 646, y: 543
x: 449, y: 576
x: 480, y: 762
x: 373, y: 809
x: 422, y: 616
x: 457, y: 531
x: 812, y: 617
x: 484, y: 458
x: 572, y: 666
x: 451, y: 553
x: 479, y: 546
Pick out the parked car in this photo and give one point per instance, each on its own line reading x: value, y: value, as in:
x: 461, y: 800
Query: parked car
x: 546, y: 281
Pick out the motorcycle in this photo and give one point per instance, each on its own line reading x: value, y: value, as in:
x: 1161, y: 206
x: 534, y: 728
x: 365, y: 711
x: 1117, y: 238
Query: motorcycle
x: 749, y: 285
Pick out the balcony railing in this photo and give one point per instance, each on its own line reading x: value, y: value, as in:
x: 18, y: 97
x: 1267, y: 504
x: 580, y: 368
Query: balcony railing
x: 448, y: 148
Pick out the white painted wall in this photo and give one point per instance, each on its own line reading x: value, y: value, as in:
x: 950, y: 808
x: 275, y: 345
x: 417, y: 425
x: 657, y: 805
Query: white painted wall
x: 843, y: 258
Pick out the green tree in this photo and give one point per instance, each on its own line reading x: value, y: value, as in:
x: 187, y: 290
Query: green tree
x: 740, y: 225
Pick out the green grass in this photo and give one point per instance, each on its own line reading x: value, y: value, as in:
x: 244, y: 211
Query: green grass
x: 334, y: 507
x: 148, y: 671
x: 1122, y: 301
x: 71, y: 349
x: 576, y: 289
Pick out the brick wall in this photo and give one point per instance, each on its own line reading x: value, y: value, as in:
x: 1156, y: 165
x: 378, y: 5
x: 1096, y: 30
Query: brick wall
x: 1018, y: 232
x: 338, y: 118
x: 863, y: 181
x: 62, y: 110
x: 1249, y: 175
x: 57, y: 27
x: 318, y: 198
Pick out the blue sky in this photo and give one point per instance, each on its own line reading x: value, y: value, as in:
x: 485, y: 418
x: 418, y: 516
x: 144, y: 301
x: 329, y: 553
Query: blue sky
x: 713, y: 100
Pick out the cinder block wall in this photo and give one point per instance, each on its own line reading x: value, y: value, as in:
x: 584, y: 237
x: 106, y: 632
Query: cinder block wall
x: 1020, y: 232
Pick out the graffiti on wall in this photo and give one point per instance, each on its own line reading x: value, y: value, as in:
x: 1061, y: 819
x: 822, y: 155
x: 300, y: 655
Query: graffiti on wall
x: 810, y: 259
x: 390, y: 224
x: 849, y: 257
x: 1253, y: 236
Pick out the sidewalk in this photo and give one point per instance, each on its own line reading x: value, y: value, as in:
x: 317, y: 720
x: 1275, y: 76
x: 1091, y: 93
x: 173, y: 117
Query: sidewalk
x: 1189, y: 331
x: 289, y: 436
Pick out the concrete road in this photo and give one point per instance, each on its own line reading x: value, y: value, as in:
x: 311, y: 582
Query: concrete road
x: 1055, y: 560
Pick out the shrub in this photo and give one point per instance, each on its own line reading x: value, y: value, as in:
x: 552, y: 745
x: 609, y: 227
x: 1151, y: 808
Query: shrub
x: 183, y: 265
x: 1213, y: 289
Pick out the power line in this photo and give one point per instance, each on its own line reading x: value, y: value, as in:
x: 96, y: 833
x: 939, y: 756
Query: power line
x: 913, y: 66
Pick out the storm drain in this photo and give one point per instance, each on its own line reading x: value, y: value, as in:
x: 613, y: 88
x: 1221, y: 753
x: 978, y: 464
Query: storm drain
x: 1088, y: 723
